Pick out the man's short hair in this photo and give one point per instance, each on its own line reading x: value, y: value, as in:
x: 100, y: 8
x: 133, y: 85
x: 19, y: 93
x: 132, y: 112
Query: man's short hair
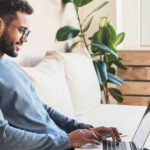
x: 8, y: 8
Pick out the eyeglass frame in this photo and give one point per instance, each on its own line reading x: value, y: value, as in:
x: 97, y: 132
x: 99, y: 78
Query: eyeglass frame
x: 25, y: 33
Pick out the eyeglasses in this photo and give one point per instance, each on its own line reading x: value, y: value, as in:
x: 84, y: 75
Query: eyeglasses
x: 23, y: 30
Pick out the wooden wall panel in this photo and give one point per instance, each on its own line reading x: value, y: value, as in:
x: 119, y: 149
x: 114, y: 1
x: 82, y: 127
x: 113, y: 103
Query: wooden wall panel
x: 136, y: 100
x: 135, y: 57
x: 135, y: 88
x: 136, y: 78
x: 135, y: 73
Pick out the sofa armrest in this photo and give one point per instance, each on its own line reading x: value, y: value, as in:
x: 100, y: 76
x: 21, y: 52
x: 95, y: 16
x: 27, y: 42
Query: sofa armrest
x: 125, y: 118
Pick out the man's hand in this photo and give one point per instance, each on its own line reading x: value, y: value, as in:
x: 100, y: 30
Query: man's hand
x: 113, y: 132
x: 81, y: 137
x: 91, y: 135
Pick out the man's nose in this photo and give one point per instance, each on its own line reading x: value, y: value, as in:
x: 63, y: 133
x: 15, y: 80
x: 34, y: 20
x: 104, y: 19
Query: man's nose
x: 24, y: 39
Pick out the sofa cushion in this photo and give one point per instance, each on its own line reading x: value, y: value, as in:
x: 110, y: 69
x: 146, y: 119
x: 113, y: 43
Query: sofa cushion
x: 50, y: 85
x: 82, y: 81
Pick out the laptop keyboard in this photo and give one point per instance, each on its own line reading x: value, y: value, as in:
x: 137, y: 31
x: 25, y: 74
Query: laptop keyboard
x: 114, y: 145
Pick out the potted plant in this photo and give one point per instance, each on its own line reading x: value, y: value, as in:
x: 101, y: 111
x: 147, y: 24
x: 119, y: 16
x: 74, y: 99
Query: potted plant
x: 102, y: 48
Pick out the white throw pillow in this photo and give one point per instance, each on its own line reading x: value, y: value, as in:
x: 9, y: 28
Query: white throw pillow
x: 82, y: 80
x: 49, y: 80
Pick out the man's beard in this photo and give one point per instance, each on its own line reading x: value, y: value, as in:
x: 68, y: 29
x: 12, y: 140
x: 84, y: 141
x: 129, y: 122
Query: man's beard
x: 7, y: 45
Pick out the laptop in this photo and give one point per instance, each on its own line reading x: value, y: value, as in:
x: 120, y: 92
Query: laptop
x: 139, y: 139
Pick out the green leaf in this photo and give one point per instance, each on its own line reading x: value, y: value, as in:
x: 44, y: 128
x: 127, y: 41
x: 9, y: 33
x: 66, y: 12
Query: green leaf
x: 99, y: 7
x: 100, y: 36
x: 119, y: 39
x: 102, y: 70
x: 119, y: 58
x: 106, y: 36
x: 94, y: 55
x: 116, y: 94
x: 90, y: 38
x: 101, y: 87
x: 97, y: 72
x: 73, y: 46
x: 114, y: 79
x: 88, y: 24
x: 82, y: 35
x: 111, y: 70
x: 96, y: 9
x: 125, y: 99
x: 104, y: 48
x: 80, y: 3
x: 113, y: 36
x: 111, y: 46
x: 103, y: 22
x: 120, y: 65
x: 111, y: 58
x: 66, y: 1
x: 94, y: 40
x: 105, y: 58
x: 94, y: 37
x: 66, y: 33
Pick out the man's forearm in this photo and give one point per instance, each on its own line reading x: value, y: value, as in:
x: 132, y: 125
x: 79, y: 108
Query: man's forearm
x: 63, y: 121
x: 15, y: 139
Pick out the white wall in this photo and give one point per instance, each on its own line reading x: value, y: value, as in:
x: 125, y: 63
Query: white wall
x: 129, y: 16
x: 145, y: 23
x: 108, y: 10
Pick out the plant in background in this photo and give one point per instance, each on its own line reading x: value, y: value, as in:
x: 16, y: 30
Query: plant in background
x: 102, y: 48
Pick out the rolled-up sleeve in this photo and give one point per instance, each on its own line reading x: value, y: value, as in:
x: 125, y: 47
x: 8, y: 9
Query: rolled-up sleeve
x: 65, y: 123
x: 15, y: 139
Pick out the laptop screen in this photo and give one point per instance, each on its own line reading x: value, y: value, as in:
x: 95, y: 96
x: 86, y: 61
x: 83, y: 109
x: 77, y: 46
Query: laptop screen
x: 143, y: 130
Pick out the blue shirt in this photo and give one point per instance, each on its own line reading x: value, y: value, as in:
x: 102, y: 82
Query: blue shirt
x: 25, y: 122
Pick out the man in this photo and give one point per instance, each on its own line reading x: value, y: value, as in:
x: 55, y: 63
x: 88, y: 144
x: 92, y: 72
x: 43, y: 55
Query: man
x: 25, y: 122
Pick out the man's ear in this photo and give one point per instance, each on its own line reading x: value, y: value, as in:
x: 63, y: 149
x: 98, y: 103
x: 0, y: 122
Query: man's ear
x: 2, y: 26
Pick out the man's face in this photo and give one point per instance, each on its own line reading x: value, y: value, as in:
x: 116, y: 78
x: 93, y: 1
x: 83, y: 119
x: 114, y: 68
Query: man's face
x: 12, y: 39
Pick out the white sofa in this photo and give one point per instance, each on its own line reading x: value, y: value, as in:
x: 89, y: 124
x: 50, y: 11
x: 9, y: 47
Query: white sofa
x: 68, y: 82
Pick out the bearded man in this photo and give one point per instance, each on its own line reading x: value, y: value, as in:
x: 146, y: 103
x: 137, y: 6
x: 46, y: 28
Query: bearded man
x: 25, y: 122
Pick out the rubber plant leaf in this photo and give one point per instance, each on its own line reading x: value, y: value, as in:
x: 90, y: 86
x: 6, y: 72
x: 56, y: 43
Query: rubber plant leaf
x: 80, y: 3
x: 66, y: 33
x: 116, y: 94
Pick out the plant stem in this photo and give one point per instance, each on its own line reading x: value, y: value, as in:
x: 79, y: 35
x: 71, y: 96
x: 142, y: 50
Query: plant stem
x: 106, y: 93
x: 105, y: 86
x: 101, y: 58
x: 107, y: 96
x: 86, y: 45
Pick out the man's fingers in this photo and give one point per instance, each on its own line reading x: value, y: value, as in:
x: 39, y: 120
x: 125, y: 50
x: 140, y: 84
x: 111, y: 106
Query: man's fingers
x: 94, y: 136
x: 109, y: 130
x: 100, y: 136
x: 91, y: 141
x: 116, y: 133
